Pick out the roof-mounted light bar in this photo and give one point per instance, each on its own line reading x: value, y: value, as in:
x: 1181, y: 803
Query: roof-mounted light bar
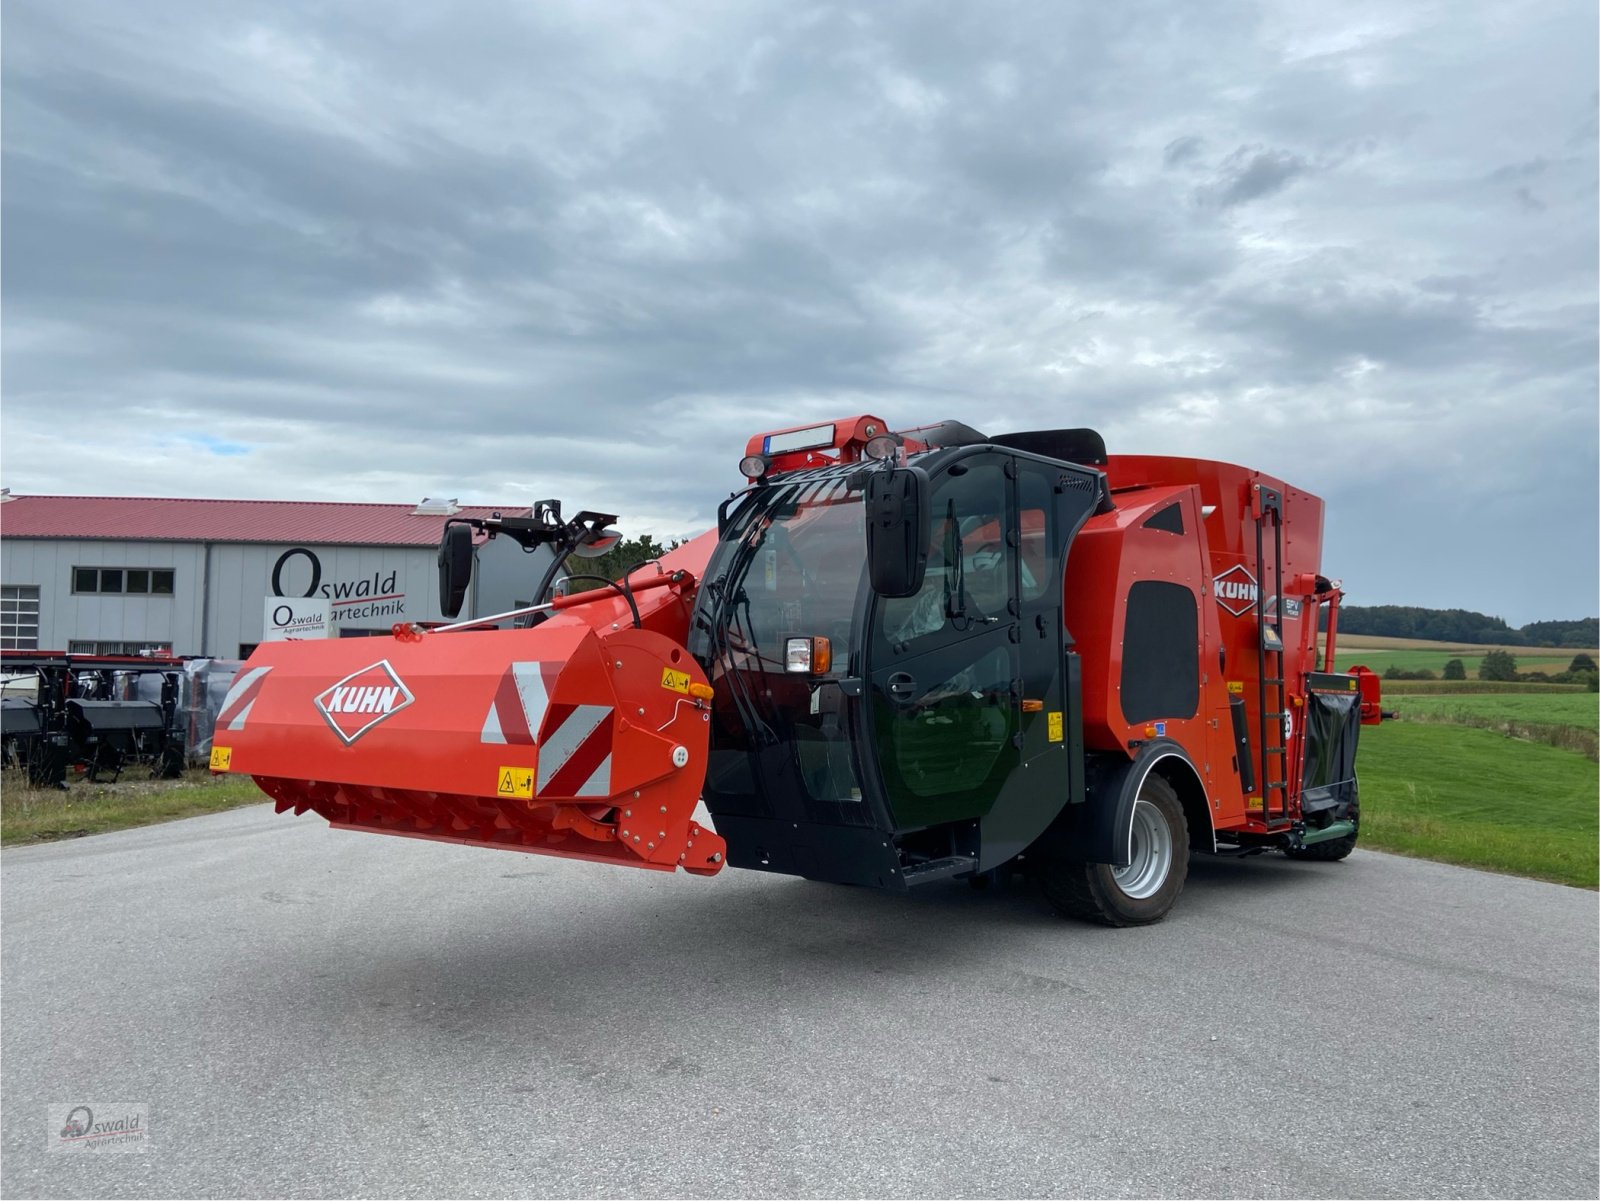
x: 811, y: 438
x: 777, y: 452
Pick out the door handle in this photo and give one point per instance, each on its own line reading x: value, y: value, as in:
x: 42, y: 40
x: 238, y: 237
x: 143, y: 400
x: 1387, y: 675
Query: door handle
x: 902, y: 688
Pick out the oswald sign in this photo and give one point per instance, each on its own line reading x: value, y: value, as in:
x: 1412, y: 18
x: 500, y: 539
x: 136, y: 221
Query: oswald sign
x: 367, y: 597
x: 287, y: 619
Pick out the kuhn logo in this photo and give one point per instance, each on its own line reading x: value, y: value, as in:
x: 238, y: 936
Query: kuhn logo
x: 1236, y: 591
x: 362, y: 699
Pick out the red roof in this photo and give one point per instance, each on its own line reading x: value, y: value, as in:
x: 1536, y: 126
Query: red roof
x: 168, y: 519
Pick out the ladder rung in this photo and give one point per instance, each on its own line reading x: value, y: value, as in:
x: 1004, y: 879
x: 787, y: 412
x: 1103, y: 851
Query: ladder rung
x: 1279, y: 716
x: 1270, y: 683
x: 1276, y: 784
x: 1274, y: 750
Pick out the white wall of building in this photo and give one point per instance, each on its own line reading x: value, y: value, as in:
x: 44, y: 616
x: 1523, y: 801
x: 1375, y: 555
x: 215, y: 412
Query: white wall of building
x: 48, y: 564
x: 216, y: 610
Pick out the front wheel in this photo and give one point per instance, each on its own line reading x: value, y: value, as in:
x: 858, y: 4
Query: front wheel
x: 1141, y: 892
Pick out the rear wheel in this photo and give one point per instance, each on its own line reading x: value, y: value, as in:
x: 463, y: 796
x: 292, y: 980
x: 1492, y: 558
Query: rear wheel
x: 1141, y: 892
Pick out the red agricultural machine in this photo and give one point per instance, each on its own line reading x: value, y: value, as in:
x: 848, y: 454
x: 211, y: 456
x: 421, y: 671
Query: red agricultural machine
x: 902, y: 656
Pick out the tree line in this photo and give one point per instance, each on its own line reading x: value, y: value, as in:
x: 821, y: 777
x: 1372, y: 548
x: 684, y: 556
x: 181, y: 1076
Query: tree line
x: 1464, y: 625
x: 1502, y: 666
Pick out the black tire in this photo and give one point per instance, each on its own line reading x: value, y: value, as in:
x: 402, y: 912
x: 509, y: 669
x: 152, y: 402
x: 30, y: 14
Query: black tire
x: 1334, y: 849
x: 1146, y: 889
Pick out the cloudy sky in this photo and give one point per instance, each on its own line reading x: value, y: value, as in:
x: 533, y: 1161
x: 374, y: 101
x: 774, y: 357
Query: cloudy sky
x: 507, y: 251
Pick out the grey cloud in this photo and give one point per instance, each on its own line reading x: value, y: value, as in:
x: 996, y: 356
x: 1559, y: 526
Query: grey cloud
x: 503, y: 251
x: 1252, y: 172
x: 1182, y: 150
x: 1529, y: 201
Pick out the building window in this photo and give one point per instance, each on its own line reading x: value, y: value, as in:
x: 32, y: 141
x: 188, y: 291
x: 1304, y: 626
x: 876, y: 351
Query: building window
x: 19, y: 617
x: 246, y: 649
x: 138, y: 581
x: 84, y: 646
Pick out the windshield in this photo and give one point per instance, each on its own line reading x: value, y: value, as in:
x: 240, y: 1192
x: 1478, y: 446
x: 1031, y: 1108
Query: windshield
x: 796, y: 566
x: 797, y: 574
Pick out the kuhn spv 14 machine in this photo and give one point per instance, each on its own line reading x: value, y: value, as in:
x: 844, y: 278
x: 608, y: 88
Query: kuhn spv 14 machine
x: 901, y: 657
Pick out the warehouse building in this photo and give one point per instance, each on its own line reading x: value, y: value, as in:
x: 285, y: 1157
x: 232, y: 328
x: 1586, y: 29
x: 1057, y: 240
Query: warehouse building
x: 144, y: 575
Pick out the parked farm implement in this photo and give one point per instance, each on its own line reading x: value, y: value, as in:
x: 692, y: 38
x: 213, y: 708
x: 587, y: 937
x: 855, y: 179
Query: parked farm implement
x: 84, y: 713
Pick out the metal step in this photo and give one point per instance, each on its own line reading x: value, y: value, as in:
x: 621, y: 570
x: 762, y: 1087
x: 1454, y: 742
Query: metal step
x: 939, y: 869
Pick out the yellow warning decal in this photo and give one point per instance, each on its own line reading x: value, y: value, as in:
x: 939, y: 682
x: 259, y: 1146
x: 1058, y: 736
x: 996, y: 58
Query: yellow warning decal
x: 1056, y: 733
x: 221, y: 758
x: 677, y: 681
x: 516, y: 781
x: 1352, y: 687
x: 1236, y: 687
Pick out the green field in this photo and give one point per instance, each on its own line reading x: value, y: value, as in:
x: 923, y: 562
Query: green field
x: 1415, y: 659
x: 1477, y: 798
x: 1494, y: 687
x: 1556, y: 709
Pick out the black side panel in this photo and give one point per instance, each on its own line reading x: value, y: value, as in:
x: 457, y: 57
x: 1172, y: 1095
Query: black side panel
x: 1160, y: 652
x: 1333, y: 726
x: 19, y: 716
x: 837, y: 854
x: 1244, y: 758
x: 101, y: 716
x: 1169, y: 519
x: 1070, y: 446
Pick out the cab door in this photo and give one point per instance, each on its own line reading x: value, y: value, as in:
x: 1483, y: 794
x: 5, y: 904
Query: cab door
x: 1049, y: 502
x: 972, y: 704
x: 944, y: 707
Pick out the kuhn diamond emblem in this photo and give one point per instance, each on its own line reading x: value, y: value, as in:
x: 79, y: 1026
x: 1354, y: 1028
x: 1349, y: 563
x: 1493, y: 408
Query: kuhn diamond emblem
x: 363, y: 699
x: 1236, y: 591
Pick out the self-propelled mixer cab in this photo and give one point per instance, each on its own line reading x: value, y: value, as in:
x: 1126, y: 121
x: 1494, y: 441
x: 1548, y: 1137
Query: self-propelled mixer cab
x: 901, y: 657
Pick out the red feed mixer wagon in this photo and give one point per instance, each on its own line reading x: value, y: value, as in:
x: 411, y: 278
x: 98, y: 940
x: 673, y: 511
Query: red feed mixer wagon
x: 901, y: 657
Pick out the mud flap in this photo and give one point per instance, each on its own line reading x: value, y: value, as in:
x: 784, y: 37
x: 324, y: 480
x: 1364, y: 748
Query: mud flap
x: 1333, y: 728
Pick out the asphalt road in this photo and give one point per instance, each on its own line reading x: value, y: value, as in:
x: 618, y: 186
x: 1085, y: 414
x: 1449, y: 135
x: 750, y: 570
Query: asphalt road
x: 317, y: 1013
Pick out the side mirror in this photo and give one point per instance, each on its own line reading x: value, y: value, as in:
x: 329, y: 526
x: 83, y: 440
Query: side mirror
x: 597, y: 543
x: 897, y: 531
x: 455, y: 567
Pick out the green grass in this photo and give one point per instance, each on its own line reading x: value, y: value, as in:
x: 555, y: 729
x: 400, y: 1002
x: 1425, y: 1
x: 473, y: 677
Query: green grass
x: 1435, y: 687
x: 44, y: 814
x: 1558, y: 709
x: 1479, y: 799
x: 1568, y: 722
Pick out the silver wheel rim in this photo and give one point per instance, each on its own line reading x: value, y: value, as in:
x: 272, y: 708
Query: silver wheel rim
x: 1150, y: 862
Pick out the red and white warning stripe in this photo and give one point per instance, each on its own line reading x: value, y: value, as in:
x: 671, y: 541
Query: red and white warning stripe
x: 519, y: 703
x: 575, y: 746
x: 575, y: 753
x: 241, y: 698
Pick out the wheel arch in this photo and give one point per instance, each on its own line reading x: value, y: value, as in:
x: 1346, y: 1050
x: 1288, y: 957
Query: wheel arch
x: 1101, y: 829
x: 1178, y: 770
